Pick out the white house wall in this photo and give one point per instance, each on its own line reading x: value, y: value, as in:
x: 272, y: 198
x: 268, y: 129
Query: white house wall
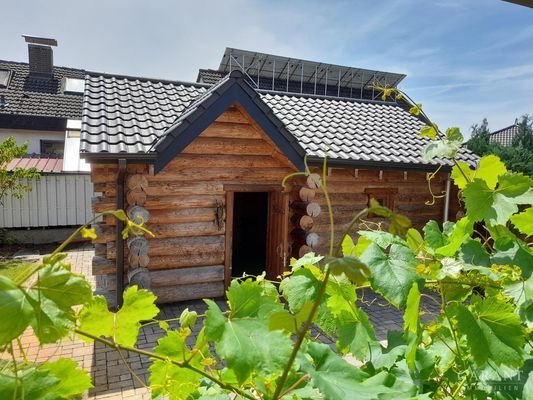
x: 55, y: 200
x: 32, y: 137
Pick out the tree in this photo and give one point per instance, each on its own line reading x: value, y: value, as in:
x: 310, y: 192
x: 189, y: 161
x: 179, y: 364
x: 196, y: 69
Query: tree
x: 517, y: 157
x: 479, y: 140
x: 524, y: 137
x: 12, y: 182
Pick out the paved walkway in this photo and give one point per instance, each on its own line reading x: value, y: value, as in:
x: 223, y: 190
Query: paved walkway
x: 114, y: 380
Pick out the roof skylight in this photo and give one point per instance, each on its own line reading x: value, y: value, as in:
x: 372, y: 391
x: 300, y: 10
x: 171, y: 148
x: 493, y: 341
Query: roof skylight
x: 5, y: 75
x: 73, y: 85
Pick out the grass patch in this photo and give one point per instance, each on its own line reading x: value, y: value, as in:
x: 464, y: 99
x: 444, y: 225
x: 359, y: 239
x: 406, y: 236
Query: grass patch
x: 13, y: 269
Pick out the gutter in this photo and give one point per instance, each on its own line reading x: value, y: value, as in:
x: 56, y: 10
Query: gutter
x: 120, y: 226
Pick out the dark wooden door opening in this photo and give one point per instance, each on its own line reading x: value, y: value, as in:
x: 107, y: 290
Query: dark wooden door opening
x: 250, y: 220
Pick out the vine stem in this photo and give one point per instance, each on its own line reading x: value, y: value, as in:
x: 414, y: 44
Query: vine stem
x: 301, y: 336
x: 295, y: 385
x: 307, y: 324
x: 12, y: 352
x: 149, y: 354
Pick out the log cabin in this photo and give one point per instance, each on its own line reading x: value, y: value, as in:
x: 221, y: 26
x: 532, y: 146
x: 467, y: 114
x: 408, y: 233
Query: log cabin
x: 201, y: 164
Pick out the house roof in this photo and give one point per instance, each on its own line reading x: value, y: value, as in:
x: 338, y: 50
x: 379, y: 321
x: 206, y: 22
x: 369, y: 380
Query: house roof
x: 210, y: 76
x: 43, y: 164
x: 504, y: 136
x: 29, y: 95
x: 129, y: 116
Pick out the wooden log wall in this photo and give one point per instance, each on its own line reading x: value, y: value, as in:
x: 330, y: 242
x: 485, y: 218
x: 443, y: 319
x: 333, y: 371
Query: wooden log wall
x: 185, y: 208
x: 347, y: 187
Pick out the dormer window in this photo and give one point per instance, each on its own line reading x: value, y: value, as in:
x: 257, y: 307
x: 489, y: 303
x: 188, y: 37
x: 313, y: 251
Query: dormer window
x: 73, y: 86
x: 5, y: 76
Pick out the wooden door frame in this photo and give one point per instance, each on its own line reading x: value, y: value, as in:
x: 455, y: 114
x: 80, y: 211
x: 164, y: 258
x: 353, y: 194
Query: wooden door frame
x: 230, y: 190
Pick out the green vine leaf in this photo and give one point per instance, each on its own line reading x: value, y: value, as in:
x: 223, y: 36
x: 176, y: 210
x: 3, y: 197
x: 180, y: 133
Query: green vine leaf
x: 513, y: 252
x: 416, y: 109
x: 96, y: 319
x: 428, y: 131
x: 489, y: 170
x: 433, y: 235
x: 246, y: 344
x: 57, y: 380
x: 336, y: 379
x: 461, y: 232
x: 169, y: 379
x: 354, y: 331
x: 454, y: 135
x: 473, y: 252
x: 440, y: 149
x: 493, y: 331
x: 462, y: 174
x: 123, y: 326
x: 72, y: 380
x: 53, y: 296
x: 139, y: 305
x: 300, y: 288
x: 249, y: 299
x: 393, y: 274
x: 356, y: 271
x: 14, y: 307
x: 411, y: 325
x: 382, y: 239
x: 495, y: 206
x: 524, y: 221
x: 411, y: 319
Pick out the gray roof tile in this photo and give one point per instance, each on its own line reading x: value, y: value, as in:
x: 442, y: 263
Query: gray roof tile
x: 30, y: 96
x: 126, y: 115
x: 131, y: 115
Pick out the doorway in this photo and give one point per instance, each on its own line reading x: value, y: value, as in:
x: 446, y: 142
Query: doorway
x: 249, y: 241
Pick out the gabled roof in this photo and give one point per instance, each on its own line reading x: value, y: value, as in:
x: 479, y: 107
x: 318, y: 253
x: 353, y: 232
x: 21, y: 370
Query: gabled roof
x: 27, y: 95
x: 127, y: 117
x: 211, y: 104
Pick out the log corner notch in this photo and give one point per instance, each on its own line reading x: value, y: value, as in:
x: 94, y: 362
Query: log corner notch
x: 304, y: 210
x: 138, y: 245
x: 122, y: 165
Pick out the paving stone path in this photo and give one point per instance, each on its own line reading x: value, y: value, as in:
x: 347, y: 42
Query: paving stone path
x: 113, y: 379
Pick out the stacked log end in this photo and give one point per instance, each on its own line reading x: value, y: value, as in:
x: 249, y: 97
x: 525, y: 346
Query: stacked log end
x: 138, y: 246
x: 304, y: 210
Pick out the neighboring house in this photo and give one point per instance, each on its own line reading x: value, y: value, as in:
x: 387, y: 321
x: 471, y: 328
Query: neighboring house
x: 504, y: 136
x: 202, y: 163
x: 41, y: 104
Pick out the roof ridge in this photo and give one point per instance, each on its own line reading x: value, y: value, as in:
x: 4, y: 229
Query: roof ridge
x: 55, y: 66
x: 145, y: 79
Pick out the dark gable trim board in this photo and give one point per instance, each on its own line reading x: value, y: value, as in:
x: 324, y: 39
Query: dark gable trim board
x: 217, y: 103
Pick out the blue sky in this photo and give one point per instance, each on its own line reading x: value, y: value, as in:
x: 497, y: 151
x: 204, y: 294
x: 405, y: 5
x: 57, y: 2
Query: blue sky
x: 464, y: 59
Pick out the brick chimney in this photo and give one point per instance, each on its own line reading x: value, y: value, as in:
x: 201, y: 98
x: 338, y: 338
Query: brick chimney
x: 41, y: 55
